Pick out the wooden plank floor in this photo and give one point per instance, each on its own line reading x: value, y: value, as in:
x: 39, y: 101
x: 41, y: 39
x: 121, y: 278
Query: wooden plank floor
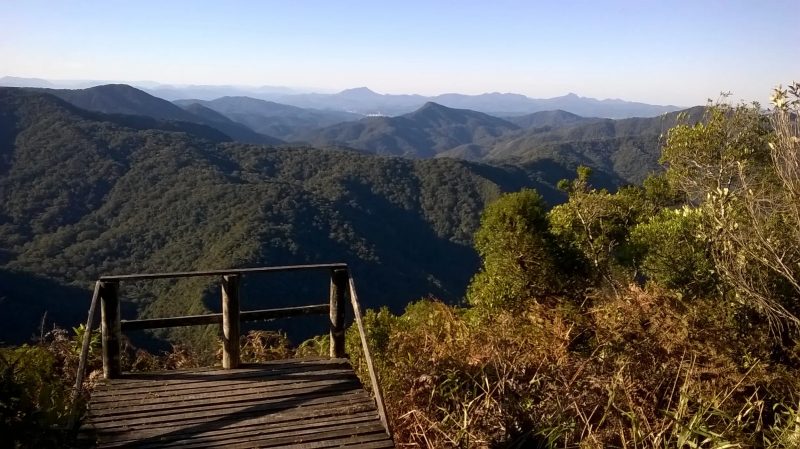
x: 304, y: 403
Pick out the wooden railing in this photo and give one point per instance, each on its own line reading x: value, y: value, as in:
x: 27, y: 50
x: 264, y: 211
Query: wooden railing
x: 106, y: 292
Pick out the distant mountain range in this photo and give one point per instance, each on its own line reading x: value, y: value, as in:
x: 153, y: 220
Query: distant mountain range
x: 274, y: 119
x: 124, y: 99
x: 626, y: 149
x: 365, y: 101
x: 112, y: 179
x: 85, y: 193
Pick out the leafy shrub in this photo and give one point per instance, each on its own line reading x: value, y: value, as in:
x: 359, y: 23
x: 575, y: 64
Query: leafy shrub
x: 521, y: 258
x: 36, y: 381
x: 673, y: 252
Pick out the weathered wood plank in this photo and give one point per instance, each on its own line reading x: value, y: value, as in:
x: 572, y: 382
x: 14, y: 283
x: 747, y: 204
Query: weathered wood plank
x: 263, y: 406
x: 165, y: 392
x: 282, y: 368
x: 211, y: 409
x: 373, y: 375
x: 230, y: 321
x: 307, y: 410
x: 87, y: 337
x: 326, y: 436
x: 313, y: 403
x: 249, y: 433
x: 199, y: 401
x: 322, y: 418
x: 185, y: 274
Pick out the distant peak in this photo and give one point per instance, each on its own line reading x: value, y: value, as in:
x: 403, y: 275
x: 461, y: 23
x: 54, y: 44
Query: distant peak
x: 432, y: 105
x: 358, y: 91
x: 431, y: 108
x: 115, y: 87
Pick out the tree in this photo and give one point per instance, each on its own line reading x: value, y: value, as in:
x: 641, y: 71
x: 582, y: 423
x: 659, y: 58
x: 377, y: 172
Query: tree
x: 597, y: 222
x: 518, y: 251
x: 671, y: 252
x: 742, y: 169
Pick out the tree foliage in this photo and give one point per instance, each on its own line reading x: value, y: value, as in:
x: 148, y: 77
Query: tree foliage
x: 521, y: 257
x: 672, y: 251
x: 740, y: 167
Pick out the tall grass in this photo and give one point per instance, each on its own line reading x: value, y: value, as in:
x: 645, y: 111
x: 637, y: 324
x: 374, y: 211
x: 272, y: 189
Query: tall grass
x: 627, y: 369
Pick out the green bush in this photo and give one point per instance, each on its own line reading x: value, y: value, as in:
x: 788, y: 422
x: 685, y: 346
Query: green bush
x: 520, y: 255
x: 35, y: 399
x: 673, y: 252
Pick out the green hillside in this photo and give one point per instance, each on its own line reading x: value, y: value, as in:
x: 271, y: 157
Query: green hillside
x: 83, y: 195
x: 424, y: 133
x: 129, y: 101
x: 286, y: 122
x: 629, y: 148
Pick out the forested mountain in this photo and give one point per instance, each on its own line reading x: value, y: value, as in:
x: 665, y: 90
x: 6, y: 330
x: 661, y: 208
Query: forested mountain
x: 127, y: 100
x: 425, y: 133
x: 548, y: 119
x: 629, y: 148
x: 280, y: 120
x: 84, y: 193
x: 362, y: 100
x: 237, y: 131
x: 123, y: 99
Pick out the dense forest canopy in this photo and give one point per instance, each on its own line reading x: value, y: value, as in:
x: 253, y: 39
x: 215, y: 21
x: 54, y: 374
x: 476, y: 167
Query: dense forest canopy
x: 86, y: 194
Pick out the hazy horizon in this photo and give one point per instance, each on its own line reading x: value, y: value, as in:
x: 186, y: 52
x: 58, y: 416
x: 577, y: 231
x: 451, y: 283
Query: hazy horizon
x: 79, y: 84
x: 672, y: 53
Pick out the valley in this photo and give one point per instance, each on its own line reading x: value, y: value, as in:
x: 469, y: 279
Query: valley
x: 111, y: 179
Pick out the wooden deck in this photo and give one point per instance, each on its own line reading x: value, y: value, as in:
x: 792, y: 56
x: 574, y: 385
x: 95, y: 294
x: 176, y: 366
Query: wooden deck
x: 303, y: 403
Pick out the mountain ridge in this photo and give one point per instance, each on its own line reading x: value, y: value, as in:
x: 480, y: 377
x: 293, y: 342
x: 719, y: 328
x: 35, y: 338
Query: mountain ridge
x: 275, y: 119
x: 365, y: 101
x: 127, y: 100
x: 82, y: 194
x: 424, y: 133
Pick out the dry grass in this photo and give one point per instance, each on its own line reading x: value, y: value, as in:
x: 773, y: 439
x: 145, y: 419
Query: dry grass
x: 633, y: 369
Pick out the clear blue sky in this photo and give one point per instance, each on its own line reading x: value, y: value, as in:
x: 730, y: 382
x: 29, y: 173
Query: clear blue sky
x: 678, y: 52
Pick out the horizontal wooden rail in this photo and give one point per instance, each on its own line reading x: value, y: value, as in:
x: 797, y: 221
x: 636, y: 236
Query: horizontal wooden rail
x: 216, y: 318
x: 187, y: 274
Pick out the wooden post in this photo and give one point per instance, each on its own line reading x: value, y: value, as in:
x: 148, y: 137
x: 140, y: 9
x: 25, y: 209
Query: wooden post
x: 338, y: 289
x: 230, y: 321
x: 110, y: 328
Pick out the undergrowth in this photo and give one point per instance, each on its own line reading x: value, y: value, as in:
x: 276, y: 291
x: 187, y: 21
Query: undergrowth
x: 632, y: 369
